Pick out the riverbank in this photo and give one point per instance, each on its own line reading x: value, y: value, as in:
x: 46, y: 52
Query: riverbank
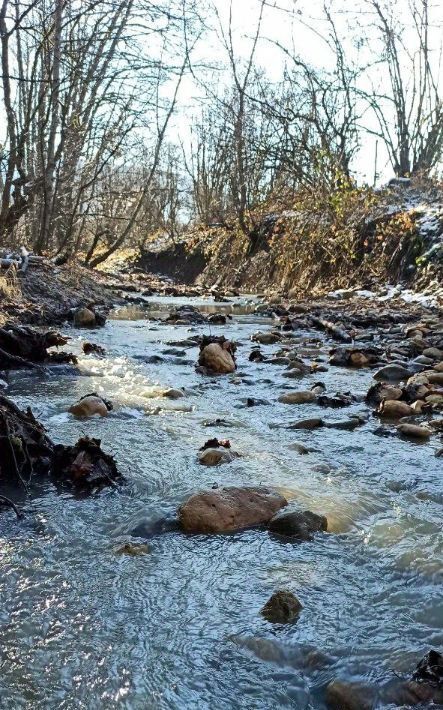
x: 48, y: 295
x: 310, y: 244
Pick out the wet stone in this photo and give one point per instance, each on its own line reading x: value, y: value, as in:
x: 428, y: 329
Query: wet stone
x: 282, y: 607
x: 297, y: 524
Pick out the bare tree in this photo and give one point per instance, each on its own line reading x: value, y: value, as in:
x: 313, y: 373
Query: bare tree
x: 410, y: 113
x: 81, y: 85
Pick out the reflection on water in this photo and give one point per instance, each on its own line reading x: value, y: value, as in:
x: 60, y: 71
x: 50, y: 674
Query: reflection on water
x: 160, y: 307
x: 180, y: 626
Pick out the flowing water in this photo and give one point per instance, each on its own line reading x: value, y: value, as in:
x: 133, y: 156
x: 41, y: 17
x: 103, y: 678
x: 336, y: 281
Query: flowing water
x: 179, y: 627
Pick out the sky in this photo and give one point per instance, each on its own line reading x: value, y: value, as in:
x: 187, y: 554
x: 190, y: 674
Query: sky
x: 287, y: 24
x: 299, y: 25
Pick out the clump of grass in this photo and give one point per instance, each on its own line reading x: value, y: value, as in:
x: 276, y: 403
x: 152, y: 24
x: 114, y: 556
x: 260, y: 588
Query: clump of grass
x: 9, y: 285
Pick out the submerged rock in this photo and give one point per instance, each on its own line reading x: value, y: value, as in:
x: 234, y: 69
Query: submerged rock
x: 228, y: 509
x: 216, y: 456
x: 173, y: 394
x: 313, y: 423
x: 282, y: 607
x: 298, y: 524
x: 133, y: 549
x: 301, y: 397
x: 350, y: 696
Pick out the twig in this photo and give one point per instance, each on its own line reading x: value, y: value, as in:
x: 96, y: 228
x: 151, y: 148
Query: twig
x: 11, y: 504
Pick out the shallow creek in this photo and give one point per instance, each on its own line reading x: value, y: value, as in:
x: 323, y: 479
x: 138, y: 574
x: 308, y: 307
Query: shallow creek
x: 83, y: 627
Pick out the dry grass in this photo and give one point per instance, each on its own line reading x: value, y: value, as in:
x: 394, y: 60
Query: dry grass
x: 9, y: 285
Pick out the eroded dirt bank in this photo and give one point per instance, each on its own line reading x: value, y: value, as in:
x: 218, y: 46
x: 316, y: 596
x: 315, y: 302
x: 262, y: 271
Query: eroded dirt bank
x: 361, y: 239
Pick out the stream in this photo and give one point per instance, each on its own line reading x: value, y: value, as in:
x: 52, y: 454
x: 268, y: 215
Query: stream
x: 180, y: 627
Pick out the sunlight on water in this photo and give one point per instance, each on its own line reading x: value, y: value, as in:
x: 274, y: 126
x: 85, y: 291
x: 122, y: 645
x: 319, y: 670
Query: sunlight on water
x: 180, y: 626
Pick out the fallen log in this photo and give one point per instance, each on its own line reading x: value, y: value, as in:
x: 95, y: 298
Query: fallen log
x: 25, y: 347
x: 84, y: 465
x: 25, y: 448
x: 333, y: 330
x: 27, y: 451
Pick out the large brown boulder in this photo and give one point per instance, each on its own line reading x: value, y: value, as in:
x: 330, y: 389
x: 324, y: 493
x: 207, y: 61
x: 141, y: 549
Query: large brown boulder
x: 230, y: 508
x: 394, y: 409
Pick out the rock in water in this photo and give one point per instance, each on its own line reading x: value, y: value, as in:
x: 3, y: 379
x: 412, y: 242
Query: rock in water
x: 379, y: 391
x: 313, y: 423
x: 173, y: 394
x: 266, y: 338
x: 430, y: 669
x: 214, y: 457
x: 349, y: 696
x: 88, y: 406
x: 298, y: 524
x: 133, y: 549
x: 412, y: 431
x: 393, y: 409
x: 282, y: 608
x: 231, y: 508
x: 392, y: 373
x: 301, y: 397
x: 217, y: 356
x: 93, y: 348
x: 84, y: 318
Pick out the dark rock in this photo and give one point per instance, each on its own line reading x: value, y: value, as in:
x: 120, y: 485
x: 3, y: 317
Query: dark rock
x: 89, y: 348
x: 430, y: 669
x: 256, y: 356
x: 151, y: 528
x: 336, y: 401
x: 282, y: 608
x: 298, y: 524
x: 84, y: 318
x: 217, y: 319
x: 392, y: 373
x: 301, y: 449
x: 313, y: 423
